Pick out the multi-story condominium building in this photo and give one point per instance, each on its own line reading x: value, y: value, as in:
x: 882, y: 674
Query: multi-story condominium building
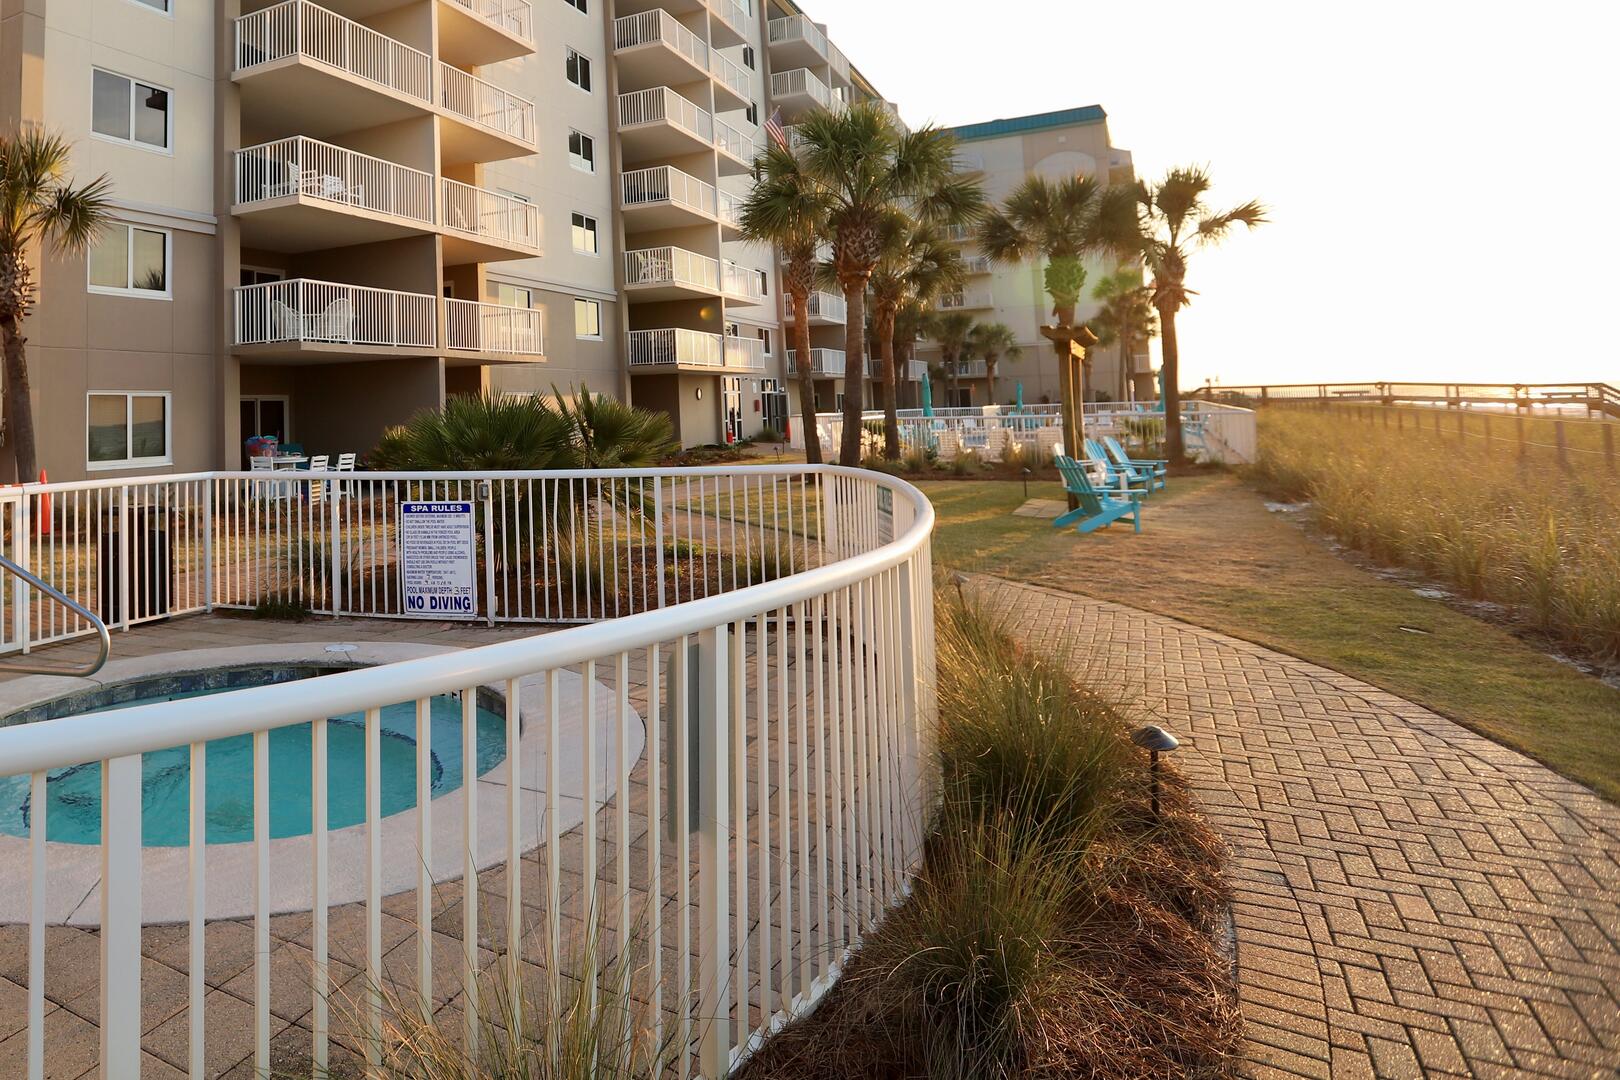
x: 334, y: 213
x: 1055, y: 145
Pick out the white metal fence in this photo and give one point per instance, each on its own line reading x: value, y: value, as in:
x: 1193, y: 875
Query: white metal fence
x: 790, y: 28
x: 742, y: 282
x: 658, y: 26
x: 674, y: 345
x: 489, y: 215
x: 735, y: 142
x: 516, y: 17
x: 327, y: 312
x: 486, y: 104
x: 753, y: 696
x: 801, y: 82
x: 671, y: 266
x: 664, y: 184
x: 822, y: 362
x: 311, y: 169
x: 496, y: 328
x: 660, y: 104
x: 296, y: 28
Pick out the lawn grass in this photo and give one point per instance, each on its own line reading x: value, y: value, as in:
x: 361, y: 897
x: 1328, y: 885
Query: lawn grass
x: 1211, y: 554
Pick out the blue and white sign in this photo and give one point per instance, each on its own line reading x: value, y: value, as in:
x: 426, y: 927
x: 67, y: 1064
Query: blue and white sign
x: 438, y: 563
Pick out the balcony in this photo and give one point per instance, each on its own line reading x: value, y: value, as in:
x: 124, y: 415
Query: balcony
x: 730, y: 216
x: 975, y: 265
x: 971, y: 369
x: 663, y: 197
x: 966, y: 300
x: 798, y: 42
x: 824, y: 362
x: 491, y: 124
x: 319, y: 73
x: 958, y: 234
x: 496, y: 329
x: 732, y: 86
x: 738, y: 149
x: 301, y: 194
x: 679, y: 349
x: 733, y: 25
x: 799, y: 91
x: 893, y: 112
x: 670, y: 273
x: 839, y: 63
x: 659, y: 123
x: 741, y: 283
x: 904, y: 370
x: 475, y: 32
x: 826, y: 309
x: 654, y: 49
x: 313, y: 320
x: 486, y: 226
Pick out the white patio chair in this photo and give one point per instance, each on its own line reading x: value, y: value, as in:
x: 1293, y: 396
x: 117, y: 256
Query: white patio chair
x: 337, y: 322
x: 346, y: 461
x: 995, y: 444
x: 285, y: 323
x: 266, y: 489
x: 318, y: 463
x: 949, y: 446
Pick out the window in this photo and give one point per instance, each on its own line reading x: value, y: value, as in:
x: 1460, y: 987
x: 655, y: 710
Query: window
x: 513, y: 295
x: 582, y: 151
x: 753, y: 113
x: 160, y: 5
x: 128, y: 111
x: 764, y: 282
x: 126, y: 429
x: 578, y: 70
x: 131, y: 260
x: 748, y: 57
x: 587, y: 319
x: 585, y: 234
x: 765, y: 339
x: 581, y: 6
x: 258, y: 275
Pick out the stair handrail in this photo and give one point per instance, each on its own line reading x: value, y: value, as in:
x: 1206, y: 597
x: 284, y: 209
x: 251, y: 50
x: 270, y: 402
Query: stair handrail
x: 103, y: 639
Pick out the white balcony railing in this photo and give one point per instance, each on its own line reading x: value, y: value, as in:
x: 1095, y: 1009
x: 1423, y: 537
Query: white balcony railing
x: 733, y: 75
x: 494, y: 328
x: 822, y: 362
x: 671, y: 266
x: 296, y: 28
x: 733, y: 13
x: 326, y: 312
x: 966, y: 300
x: 675, y: 346
x: 741, y: 281
x: 838, y: 61
x: 516, y: 17
x: 661, y: 105
x: 958, y: 234
x: 489, y: 215
x: 310, y: 169
x: 734, y: 141
x: 801, y: 82
x: 658, y: 26
x: 730, y: 211
x: 794, y: 28
x: 745, y: 352
x: 485, y: 104
x: 825, y: 305
x: 976, y: 264
x: 665, y: 185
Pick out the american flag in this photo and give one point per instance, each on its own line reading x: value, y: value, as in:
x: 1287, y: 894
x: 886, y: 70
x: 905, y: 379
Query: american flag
x: 774, y: 128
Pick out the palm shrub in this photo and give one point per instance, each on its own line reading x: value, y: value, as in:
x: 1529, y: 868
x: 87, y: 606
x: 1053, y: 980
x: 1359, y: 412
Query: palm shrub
x: 1126, y: 316
x: 991, y: 342
x: 39, y: 207
x: 953, y: 331
x: 917, y: 265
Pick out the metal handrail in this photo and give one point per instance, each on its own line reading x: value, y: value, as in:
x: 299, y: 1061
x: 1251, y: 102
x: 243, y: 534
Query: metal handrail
x: 103, y: 640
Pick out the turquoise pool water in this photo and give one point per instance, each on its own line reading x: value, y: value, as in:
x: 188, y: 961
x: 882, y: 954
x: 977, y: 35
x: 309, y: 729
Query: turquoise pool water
x: 74, y: 809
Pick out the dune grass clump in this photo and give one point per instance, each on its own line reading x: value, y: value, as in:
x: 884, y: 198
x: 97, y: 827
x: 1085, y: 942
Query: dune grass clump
x: 1055, y: 928
x: 1526, y: 533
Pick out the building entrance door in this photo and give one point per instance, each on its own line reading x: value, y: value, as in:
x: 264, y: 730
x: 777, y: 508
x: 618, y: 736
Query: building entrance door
x: 731, y: 406
x: 774, y: 404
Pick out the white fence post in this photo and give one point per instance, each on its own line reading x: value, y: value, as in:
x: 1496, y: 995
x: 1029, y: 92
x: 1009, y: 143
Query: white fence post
x: 334, y: 497
x: 713, y: 774
x: 20, y: 550
x: 121, y: 918
x: 123, y: 558
x: 209, y: 488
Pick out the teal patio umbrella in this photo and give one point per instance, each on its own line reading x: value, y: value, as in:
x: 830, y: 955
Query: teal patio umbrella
x: 927, y: 395
x: 1019, y: 407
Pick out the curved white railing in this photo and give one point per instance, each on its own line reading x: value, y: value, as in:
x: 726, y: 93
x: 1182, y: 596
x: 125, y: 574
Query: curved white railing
x: 296, y: 28
x: 765, y: 731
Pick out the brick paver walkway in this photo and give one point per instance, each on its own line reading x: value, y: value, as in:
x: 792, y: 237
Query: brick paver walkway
x: 1412, y: 899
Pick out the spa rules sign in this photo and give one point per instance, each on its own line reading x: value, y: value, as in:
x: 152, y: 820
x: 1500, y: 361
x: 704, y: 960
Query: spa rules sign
x: 438, y: 563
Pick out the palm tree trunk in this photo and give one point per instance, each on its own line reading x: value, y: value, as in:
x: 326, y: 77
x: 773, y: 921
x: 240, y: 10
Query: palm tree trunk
x: 884, y: 324
x: 19, y: 405
x: 1174, y: 449
x: 807, y: 381
x: 990, y: 378
x: 849, y: 450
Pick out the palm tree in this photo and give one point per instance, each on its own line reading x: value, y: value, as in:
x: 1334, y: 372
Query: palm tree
x: 917, y: 264
x: 1062, y: 222
x: 1126, y: 316
x: 954, y: 332
x: 787, y: 210
x: 992, y: 341
x: 1174, y: 221
x: 870, y: 173
x: 38, y: 206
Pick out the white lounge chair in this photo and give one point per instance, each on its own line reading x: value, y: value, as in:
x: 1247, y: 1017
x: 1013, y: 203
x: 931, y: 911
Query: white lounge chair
x: 337, y: 322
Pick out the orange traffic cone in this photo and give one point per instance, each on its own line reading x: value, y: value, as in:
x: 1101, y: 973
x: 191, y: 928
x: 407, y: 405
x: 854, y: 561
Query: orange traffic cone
x: 44, y: 508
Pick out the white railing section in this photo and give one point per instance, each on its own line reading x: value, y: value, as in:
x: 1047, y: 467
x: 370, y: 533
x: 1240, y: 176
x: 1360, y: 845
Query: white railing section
x: 966, y: 300
x: 736, y: 142
x: 801, y: 82
x: 675, y: 346
x: 296, y: 28
x: 730, y: 211
x: 745, y: 352
x: 306, y: 168
x: 671, y: 266
x: 958, y: 234
x: 664, y: 184
x: 737, y: 748
x: 495, y: 328
x: 903, y: 369
x: 326, y: 312
x: 660, y: 105
x: 485, y: 104
x: 824, y: 305
x: 658, y: 26
x: 733, y: 13
x: 741, y: 281
x: 838, y: 61
x: 976, y: 264
x: 489, y: 215
x: 734, y: 76
x: 822, y: 362
x: 791, y: 28
x: 516, y: 17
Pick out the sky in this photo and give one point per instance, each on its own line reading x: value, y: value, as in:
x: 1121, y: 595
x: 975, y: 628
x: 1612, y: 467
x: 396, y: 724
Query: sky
x: 1430, y: 166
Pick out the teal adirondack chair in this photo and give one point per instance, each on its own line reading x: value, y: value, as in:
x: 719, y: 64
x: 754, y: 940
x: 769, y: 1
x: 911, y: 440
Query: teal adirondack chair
x: 1123, y: 476
x: 1154, y: 467
x: 1098, y: 509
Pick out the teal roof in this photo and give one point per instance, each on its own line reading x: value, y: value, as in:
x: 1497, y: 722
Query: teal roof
x: 1018, y: 125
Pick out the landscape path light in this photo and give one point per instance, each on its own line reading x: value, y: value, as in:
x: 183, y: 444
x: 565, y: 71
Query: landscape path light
x: 1155, y: 740
x: 960, y: 579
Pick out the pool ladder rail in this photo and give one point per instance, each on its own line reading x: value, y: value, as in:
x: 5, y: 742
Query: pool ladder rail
x: 103, y: 641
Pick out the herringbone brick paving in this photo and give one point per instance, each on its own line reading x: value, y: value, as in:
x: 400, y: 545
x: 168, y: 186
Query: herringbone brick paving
x: 1412, y: 900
